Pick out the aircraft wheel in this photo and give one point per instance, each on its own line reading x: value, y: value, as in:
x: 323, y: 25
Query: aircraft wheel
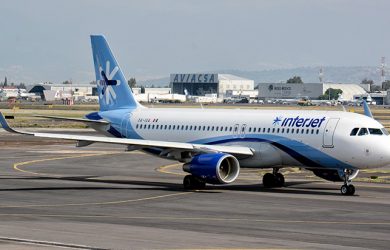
x: 279, y: 178
x: 351, y: 189
x: 347, y: 189
x: 268, y: 180
x: 192, y: 182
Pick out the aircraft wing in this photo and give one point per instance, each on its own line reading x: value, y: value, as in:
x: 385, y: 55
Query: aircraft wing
x: 181, y: 146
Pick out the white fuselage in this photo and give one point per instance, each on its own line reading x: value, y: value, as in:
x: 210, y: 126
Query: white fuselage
x: 278, y: 137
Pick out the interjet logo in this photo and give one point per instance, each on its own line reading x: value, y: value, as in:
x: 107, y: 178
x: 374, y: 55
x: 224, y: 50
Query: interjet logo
x: 108, y: 94
x: 299, y: 122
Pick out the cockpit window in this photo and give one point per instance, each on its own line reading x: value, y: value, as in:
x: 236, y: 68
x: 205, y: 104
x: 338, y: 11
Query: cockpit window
x: 375, y: 131
x: 354, y: 131
x: 363, y: 131
x: 385, y: 131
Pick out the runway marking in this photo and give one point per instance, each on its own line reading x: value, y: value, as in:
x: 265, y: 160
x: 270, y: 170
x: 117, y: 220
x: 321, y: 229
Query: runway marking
x: 164, y: 169
x: 100, y: 203
x: 202, y: 219
x: 17, y: 165
x: 47, y: 243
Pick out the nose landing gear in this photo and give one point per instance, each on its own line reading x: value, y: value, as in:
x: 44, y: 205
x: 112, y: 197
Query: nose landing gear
x: 348, y: 188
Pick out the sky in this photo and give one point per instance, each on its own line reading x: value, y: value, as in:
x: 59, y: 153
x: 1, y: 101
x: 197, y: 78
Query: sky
x: 46, y: 40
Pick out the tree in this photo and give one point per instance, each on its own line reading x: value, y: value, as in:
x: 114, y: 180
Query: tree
x: 67, y: 82
x: 21, y: 86
x: 5, y: 82
x: 367, y: 81
x: 132, y: 82
x: 142, y: 90
x: 374, y: 88
x: 295, y: 79
x: 331, y: 94
x: 386, y: 85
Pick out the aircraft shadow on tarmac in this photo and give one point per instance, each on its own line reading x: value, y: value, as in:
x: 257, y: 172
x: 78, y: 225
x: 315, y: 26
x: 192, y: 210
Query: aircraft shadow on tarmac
x: 293, y: 187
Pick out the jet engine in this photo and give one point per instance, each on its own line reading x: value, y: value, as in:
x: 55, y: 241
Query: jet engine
x: 335, y: 175
x: 218, y: 168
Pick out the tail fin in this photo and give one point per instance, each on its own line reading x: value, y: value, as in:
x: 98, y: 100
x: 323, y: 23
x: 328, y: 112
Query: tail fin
x: 114, y: 92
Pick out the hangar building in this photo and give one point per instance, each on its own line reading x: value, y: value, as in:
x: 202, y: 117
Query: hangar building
x: 310, y: 90
x: 208, y: 83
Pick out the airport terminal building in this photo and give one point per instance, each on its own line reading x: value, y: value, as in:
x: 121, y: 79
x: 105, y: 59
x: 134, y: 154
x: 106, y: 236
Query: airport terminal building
x: 310, y: 90
x: 208, y: 83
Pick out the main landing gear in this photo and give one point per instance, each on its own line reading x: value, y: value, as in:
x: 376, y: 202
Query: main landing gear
x: 193, y: 182
x: 347, y: 188
x: 275, y: 179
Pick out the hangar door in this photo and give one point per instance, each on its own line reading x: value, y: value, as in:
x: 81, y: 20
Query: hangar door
x: 329, y: 133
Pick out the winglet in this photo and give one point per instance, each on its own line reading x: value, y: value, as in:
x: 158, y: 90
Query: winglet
x: 367, y: 110
x: 6, y: 127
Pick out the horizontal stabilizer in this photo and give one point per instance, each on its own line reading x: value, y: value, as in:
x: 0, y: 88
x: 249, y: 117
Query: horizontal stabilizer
x: 73, y: 119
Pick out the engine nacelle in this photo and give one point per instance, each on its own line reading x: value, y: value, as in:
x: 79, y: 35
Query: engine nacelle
x: 334, y: 174
x: 218, y: 168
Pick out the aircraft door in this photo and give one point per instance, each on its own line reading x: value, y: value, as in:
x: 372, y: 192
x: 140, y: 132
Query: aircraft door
x: 329, y: 133
x: 242, y: 132
x: 235, y: 131
x: 123, y: 126
x: 128, y: 125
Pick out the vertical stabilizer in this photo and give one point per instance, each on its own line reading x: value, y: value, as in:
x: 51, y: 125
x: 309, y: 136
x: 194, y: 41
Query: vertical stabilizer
x: 367, y: 110
x: 113, y: 90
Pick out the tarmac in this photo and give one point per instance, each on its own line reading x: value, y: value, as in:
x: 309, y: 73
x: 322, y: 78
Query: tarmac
x: 53, y: 195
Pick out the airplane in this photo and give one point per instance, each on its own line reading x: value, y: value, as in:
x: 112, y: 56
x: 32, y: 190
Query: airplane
x: 214, y: 144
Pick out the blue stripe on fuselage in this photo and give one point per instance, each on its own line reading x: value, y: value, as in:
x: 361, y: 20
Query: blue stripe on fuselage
x: 301, y: 152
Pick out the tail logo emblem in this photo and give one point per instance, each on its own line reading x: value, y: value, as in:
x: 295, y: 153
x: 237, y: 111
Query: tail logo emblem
x: 108, y: 94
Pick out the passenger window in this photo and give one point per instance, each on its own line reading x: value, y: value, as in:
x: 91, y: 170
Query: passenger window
x: 288, y: 131
x: 231, y: 128
x: 375, y: 131
x: 354, y: 131
x: 149, y: 126
x: 273, y: 130
x: 363, y: 131
x: 250, y: 129
x: 278, y: 130
x: 263, y: 130
x: 317, y: 131
x: 307, y: 131
x: 136, y: 126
